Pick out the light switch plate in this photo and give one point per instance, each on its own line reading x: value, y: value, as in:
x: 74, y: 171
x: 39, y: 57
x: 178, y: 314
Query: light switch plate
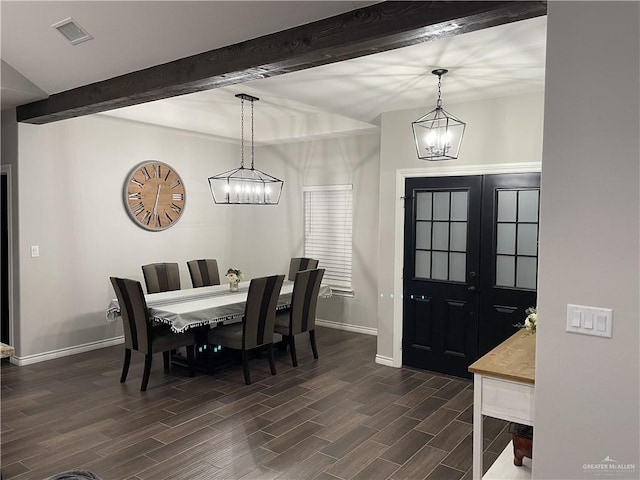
x: 595, y: 321
x: 35, y: 251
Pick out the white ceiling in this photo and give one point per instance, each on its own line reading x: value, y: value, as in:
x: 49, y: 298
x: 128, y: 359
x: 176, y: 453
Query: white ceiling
x: 337, y: 99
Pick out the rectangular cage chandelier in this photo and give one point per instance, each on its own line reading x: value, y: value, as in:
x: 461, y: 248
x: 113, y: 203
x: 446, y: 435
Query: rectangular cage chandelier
x: 438, y: 134
x: 246, y: 186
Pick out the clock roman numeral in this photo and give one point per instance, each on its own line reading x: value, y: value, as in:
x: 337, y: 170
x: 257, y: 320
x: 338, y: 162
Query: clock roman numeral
x: 178, y: 197
x: 175, y: 184
x: 147, y: 217
x: 175, y: 208
x: 158, y: 223
x: 137, y: 208
x: 157, y: 169
x: 146, y: 174
x: 135, y: 196
x: 136, y: 182
x: 167, y: 175
x: 170, y: 219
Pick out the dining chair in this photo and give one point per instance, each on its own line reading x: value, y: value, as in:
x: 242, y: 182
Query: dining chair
x: 300, y: 263
x: 256, y: 329
x: 161, y: 277
x: 301, y: 317
x: 204, y: 273
x: 141, y: 335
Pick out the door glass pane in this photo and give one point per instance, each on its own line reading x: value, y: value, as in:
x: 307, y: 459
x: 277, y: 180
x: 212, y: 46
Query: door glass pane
x: 459, y: 236
x: 423, y: 264
x: 423, y: 205
x: 440, y: 236
x: 440, y: 265
x: 459, y: 206
x: 457, y: 267
x: 505, y: 271
x: 423, y: 235
x: 527, y: 239
x: 506, y: 238
x: 441, y: 206
x: 526, y: 273
x: 528, y: 206
x: 507, y: 205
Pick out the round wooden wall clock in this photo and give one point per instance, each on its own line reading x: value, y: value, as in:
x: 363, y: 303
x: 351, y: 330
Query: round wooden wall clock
x: 154, y: 196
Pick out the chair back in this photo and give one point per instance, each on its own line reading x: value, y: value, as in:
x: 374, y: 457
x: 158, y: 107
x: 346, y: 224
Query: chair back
x: 134, y: 312
x: 204, y: 273
x: 298, y: 264
x: 260, y: 311
x: 161, y: 277
x: 305, y: 300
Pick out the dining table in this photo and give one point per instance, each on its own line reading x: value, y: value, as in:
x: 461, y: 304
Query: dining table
x: 192, y: 308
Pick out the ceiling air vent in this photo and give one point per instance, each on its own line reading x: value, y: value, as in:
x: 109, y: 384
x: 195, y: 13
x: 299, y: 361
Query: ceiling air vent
x: 73, y: 32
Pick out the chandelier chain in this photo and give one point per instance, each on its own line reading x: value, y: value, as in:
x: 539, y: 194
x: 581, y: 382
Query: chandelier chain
x: 241, y: 132
x: 439, y: 102
x: 252, y: 144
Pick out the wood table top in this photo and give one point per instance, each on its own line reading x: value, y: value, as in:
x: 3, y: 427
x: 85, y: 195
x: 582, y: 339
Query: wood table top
x: 514, y: 359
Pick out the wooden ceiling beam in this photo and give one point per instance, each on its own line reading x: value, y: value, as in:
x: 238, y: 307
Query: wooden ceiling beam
x: 379, y: 27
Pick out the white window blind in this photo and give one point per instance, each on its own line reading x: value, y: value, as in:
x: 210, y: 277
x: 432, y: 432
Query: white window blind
x: 328, y: 222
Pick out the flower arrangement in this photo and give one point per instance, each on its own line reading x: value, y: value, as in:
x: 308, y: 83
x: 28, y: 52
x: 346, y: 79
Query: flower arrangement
x: 234, y: 275
x: 531, y: 321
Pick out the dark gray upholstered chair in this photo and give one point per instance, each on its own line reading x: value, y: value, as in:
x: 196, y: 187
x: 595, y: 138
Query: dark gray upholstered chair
x: 302, y: 315
x: 161, y: 277
x: 298, y: 264
x: 141, y: 335
x: 204, y: 273
x: 256, y: 329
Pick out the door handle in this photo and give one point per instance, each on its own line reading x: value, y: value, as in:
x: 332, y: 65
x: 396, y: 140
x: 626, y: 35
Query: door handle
x: 472, y: 289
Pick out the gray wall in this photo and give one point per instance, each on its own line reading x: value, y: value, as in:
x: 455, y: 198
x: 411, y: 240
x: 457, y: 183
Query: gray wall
x: 587, y: 388
x: 71, y: 206
x: 512, y: 136
x: 349, y: 160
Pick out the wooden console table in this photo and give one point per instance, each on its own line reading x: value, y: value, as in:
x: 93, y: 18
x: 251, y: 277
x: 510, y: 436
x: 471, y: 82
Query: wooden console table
x: 503, y: 387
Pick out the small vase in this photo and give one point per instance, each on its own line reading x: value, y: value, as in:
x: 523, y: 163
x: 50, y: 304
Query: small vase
x: 233, y: 286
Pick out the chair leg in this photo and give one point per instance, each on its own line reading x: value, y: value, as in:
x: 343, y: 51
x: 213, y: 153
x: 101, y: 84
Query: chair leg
x: 166, y: 356
x: 283, y: 344
x: 292, y: 348
x: 191, y: 360
x: 272, y: 363
x: 245, y: 367
x: 147, y: 371
x: 125, y: 365
x: 314, y: 348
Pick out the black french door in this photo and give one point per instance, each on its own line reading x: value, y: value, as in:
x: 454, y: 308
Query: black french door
x: 470, y: 266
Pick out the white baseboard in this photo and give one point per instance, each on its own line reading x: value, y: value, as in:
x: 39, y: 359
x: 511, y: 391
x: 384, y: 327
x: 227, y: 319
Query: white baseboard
x: 65, y: 352
x: 346, y: 327
x: 386, y: 361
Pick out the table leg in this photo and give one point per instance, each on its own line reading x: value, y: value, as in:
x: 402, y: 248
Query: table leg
x: 477, y: 427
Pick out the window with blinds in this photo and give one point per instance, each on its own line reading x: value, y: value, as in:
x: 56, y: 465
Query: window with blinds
x: 328, y: 215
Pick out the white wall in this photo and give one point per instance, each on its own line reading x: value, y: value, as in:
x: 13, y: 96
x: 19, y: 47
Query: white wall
x: 502, y: 130
x: 71, y: 205
x: 349, y: 160
x: 587, y: 388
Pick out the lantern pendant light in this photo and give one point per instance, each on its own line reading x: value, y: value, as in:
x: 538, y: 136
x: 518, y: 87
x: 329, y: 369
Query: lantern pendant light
x: 246, y: 186
x: 438, y: 134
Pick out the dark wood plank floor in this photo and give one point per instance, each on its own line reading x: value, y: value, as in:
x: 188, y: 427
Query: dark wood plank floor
x: 339, y: 417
